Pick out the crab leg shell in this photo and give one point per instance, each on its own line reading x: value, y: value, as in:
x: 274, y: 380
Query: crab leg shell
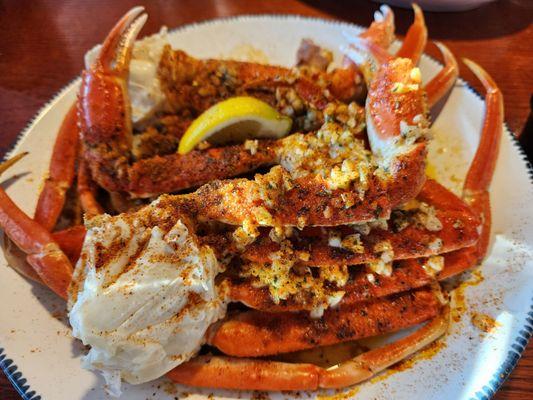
x: 254, y: 333
x: 104, y: 109
x: 374, y: 361
x: 43, y: 254
x: 381, y: 31
x: 87, y: 191
x: 245, y: 374
x: 16, y: 259
x: 415, y: 40
x: 442, y: 83
x: 61, y: 172
x: 173, y: 172
x: 70, y: 241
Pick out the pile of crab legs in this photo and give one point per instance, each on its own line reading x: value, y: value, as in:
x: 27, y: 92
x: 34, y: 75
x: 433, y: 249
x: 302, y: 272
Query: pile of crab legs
x: 399, y: 301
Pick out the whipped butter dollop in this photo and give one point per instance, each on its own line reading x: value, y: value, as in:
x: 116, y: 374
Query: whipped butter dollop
x: 143, y: 294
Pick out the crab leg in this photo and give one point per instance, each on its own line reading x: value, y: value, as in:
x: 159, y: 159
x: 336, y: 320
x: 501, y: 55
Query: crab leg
x: 254, y: 333
x: 481, y: 171
x: 61, y: 172
x: 479, y: 176
x: 167, y: 173
x: 43, y: 253
x: 458, y: 229
x: 224, y: 372
x: 104, y: 107
x: 364, y: 284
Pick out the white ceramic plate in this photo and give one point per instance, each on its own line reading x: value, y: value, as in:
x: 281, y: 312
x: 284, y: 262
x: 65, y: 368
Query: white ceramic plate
x: 42, y: 359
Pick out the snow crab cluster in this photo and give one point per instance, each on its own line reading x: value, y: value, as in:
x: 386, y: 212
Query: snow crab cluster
x: 339, y: 236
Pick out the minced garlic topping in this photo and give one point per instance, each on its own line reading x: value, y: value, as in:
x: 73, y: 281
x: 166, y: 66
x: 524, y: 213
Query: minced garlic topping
x: 384, y: 265
x: 284, y: 278
x: 421, y: 214
x: 433, y: 265
x: 251, y: 146
x: 336, y: 153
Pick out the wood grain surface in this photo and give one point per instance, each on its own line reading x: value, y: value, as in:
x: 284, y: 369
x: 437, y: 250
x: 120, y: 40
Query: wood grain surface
x: 42, y: 43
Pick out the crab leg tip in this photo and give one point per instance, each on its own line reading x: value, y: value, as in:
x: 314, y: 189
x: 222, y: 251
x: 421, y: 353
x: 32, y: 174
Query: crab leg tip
x: 416, y: 38
x: 8, y: 163
x: 482, y: 75
x: 116, y: 49
x: 385, y: 10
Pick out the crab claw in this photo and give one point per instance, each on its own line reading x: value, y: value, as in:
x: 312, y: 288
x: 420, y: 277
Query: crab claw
x: 116, y: 51
x: 416, y: 38
x: 104, y: 111
x: 381, y: 31
x: 370, y: 48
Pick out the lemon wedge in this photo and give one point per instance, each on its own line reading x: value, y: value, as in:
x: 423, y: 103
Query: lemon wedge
x: 235, y: 120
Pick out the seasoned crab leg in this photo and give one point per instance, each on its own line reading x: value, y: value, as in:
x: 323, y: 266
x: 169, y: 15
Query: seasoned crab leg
x: 255, y: 333
x: 443, y: 82
x: 223, y: 372
x: 43, y: 253
x: 164, y: 174
x: 255, y: 374
x: 455, y: 227
x: 363, y: 285
x: 61, y: 173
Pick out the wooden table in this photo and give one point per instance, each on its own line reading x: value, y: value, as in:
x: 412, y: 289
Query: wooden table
x: 43, y: 43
